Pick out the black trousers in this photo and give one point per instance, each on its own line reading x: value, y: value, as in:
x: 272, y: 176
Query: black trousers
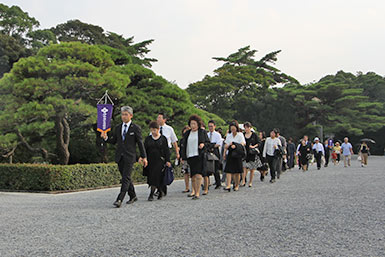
x: 125, y: 168
x: 273, y: 165
x: 318, y: 157
x: 327, y: 157
x: 217, y: 174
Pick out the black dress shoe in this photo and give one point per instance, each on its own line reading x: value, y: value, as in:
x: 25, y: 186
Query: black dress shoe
x: 195, y: 198
x: 186, y: 191
x: 262, y: 178
x: 160, y: 196
x: 272, y: 180
x: 204, y: 193
x: 227, y: 189
x: 132, y: 200
x: 151, y: 198
x: 118, y: 203
x: 190, y: 195
x: 218, y: 186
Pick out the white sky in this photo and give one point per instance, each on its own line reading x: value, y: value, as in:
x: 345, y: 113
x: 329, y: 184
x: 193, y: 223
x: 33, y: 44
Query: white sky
x: 316, y: 37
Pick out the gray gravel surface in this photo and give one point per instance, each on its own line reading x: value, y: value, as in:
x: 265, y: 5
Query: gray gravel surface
x: 332, y: 212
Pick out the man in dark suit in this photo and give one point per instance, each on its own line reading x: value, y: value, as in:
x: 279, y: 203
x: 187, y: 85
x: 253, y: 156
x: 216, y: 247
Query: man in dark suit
x: 127, y: 135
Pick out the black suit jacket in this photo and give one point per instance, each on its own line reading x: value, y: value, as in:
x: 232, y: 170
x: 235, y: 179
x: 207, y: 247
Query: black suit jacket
x: 202, y: 138
x: 127, y: 148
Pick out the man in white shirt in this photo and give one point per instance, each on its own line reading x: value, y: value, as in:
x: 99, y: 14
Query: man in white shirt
x: 319, y: 151
x: 169, y: 133
x: 347, y: 151
x: 216, y: 144
x: 272, y: 143
x: 282, y: 160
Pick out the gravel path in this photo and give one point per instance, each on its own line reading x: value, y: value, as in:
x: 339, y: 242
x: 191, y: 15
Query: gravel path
x: 332, y: 212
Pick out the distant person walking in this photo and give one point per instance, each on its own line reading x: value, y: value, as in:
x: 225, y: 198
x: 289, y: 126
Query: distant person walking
x: 215, y: 148
x: 272, y: 144
x: 319, y: 151
x: 264, y: 169
x: 364, y: 152
x: 306, y: 140
x: 168, y: 132
x: 347, y: 151
x: 327, y: 150
x: 337, y: 153
x: 252, y: 161
x: 185, y: 167
x: 126, y: 136
x: 282, y: 159
x: 290, y: 153
x: 193, y: 146
x: 158, y: 155
x: 304, y: 155
x: 233, y: 155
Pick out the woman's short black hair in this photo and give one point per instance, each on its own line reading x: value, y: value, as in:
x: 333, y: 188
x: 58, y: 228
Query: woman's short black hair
x: 247, y: 124
x: 197, y: 119
x: 153, y: 124
x: 234, y: 124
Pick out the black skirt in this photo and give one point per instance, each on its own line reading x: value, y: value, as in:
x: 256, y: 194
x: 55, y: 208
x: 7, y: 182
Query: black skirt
x: 233, y: 165
x: 196, y: 165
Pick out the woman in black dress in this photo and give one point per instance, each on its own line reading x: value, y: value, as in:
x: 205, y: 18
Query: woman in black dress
x: 233, y: 155
x: 304, y: 151
x: 158, y: 155
x: 193, y: 145
x: 252, y: 161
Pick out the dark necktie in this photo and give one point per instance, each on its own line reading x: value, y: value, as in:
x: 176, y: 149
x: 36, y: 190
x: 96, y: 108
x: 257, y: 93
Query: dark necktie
x: 124, y: 132
x: 161, y: 131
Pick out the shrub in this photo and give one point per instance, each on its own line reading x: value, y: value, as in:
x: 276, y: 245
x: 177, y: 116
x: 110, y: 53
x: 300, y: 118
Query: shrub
x: 45, y: 177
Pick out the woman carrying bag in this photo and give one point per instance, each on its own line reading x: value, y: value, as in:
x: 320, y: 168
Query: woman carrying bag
x: 193, y: 147
x: 235, y: 145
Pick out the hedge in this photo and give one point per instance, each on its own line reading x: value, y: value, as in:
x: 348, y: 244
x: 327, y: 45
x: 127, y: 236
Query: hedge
x: 46, y: 177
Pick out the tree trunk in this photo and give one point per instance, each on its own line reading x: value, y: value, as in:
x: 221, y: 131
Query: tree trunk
x: 62, y: 139
x: 44, y: 153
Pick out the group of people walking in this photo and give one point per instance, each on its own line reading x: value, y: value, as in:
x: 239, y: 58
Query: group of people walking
x: 203, y: 153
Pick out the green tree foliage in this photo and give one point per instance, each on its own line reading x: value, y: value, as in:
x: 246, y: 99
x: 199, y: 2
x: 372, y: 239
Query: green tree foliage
x: 14, y: 25
x: 14, y: 22
x: 255, y: 91
x: 238, y: 85
x: 75, y: 30
x: 19, y: 37
x: 49, y: 101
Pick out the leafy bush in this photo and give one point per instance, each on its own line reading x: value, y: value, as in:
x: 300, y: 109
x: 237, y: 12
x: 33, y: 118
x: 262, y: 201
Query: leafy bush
x: 44, y: 177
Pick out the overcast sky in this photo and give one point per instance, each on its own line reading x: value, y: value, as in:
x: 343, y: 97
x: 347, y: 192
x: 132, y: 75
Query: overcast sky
x: 316, y: 37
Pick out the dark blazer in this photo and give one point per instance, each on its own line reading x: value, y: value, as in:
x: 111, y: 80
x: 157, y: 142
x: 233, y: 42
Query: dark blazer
x: 127, y: 148
x: 202, y: 138
x: 238, y: 152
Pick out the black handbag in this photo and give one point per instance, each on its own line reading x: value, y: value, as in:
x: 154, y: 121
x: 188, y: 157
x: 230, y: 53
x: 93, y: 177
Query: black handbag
x: 212, y: 157
x: 254, y: 151
x: 168, y: 175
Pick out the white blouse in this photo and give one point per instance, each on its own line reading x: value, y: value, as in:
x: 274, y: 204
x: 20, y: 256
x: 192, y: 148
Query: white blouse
x: 270, y: 146
x: 192, y: 145
x: 239, y: 138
